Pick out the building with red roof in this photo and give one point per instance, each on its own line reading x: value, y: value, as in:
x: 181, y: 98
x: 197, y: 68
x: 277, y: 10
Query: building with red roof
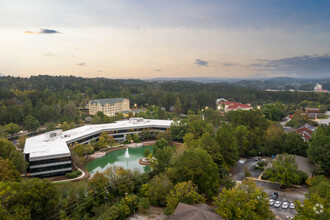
x: 226, y: 106
x: 306, y: 131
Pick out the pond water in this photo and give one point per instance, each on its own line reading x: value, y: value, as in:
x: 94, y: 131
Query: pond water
x: 118, y: 158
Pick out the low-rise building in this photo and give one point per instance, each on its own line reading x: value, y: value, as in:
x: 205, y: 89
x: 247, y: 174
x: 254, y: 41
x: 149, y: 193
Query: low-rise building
x: 109, y: 107
x: 226, y: 106
x: 306, y: 131
x: 49, y: 154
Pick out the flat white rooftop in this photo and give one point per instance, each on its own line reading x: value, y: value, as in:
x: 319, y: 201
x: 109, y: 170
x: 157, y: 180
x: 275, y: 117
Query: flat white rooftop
x: 44, y: 147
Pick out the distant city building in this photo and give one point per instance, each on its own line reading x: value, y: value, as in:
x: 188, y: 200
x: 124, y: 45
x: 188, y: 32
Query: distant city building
x: 49, y: 155
x: 109, y: 107
x: 306, y: 131
x: 226, y: 106
x: 318, y: 88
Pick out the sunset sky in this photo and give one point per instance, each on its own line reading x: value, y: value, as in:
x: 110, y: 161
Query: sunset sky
x: 169, y: 38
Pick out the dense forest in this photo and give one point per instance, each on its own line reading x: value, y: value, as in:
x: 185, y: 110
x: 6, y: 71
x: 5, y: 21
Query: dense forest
x: 57, y: 99
x: 192, y: 172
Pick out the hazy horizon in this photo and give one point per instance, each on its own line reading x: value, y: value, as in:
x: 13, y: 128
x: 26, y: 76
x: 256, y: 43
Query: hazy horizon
x: 165, y: 39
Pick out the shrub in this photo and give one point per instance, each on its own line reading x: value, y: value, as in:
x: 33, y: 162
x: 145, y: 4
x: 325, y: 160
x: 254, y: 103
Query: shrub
x: 73, y: 174
x: 144, y: 203
x: 247, y: 172
x: 262, y: 163
x: 257, y: 167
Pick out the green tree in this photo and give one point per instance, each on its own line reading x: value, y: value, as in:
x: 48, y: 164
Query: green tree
x: 178, y: 106
x: 319, y: 152
x: 51, y: 126
x: 98, y: 187
x: 247, y: 201
x: 104, y: 140
x: 83, y: 149
x: 162, y: 155
x: 228, y: 145
x: 11, y: 128
x: 294, y: 144
x: 121, y: 180
x: 208, y: 143
x: 135, y: 137
x: 8, y: 151
x: 8, y: 171
x: 157, y: 189
x: 185, y: 192
x: 31, y: 124
x: 39, y: 196
x: 166, y: 135
x: 273, y: 140
x: 242, y: 136
x: 317, y: 202
x: 198, y: 166
x: 285, y: 171
x: 96, y: 120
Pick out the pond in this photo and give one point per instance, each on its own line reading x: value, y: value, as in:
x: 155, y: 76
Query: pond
x: 118, y: 158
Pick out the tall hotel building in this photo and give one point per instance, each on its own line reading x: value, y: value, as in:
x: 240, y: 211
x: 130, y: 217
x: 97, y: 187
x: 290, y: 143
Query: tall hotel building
x: 109, y: 107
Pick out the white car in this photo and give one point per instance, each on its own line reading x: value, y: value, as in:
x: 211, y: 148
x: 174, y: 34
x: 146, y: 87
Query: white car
x: 285, y: 205
x: 277, y: 204
x: 271, y: 202
x: 292, y: 206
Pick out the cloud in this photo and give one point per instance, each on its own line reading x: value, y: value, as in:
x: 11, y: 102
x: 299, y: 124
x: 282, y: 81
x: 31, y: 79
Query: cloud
x: 81, y: 64
x: 49, y: 31
x: 200, y: 62
x: 1, y: 75
x: 42, y: 31
x: 158, y: 70
x: 227, y: 64
x: 306, y: 66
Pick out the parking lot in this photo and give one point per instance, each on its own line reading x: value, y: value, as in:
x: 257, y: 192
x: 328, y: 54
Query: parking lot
x: 238, y: 173
x: 289, y: 195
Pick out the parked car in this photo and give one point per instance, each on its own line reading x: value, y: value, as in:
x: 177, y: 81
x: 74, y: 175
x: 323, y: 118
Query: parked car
x: 277, y: 204
x: 292, y: 206
x: 271, y: 202
x: 256, y: 158
x: 274, y: 196
x: 285, y: 205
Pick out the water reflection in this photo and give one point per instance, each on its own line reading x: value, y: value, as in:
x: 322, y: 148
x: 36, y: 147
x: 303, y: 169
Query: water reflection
x: 118, y: 158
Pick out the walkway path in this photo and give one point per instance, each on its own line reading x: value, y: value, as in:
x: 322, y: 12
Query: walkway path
x: 79, y: 177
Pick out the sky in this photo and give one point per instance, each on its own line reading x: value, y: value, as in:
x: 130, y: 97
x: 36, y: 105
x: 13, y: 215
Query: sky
x: 170, y: 38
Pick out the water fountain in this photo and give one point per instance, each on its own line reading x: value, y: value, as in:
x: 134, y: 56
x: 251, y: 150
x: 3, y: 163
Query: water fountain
x: 126, y: 153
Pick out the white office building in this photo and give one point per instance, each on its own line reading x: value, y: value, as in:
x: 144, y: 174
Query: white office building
x: 49, y: 154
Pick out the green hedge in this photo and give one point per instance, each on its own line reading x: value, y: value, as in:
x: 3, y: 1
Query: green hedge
x: 73, y: 174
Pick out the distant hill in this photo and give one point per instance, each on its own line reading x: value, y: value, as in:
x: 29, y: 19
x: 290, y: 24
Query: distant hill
x: 197, y: 79
x: 283, y: 83
x: 276, y: 83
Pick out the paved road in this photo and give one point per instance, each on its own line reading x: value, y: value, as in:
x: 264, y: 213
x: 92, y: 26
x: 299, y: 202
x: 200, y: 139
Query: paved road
x: 238, y: 173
